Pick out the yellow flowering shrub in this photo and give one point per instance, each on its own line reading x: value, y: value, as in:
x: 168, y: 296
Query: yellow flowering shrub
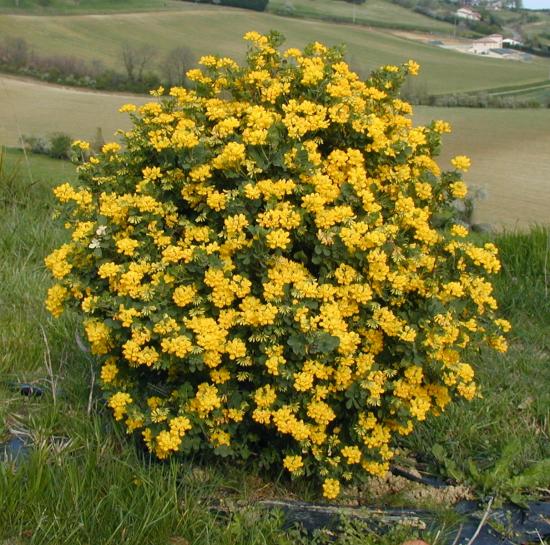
x: 269, y: 265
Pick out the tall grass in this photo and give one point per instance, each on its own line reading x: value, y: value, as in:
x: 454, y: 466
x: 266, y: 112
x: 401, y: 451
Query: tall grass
x: 515, y: 387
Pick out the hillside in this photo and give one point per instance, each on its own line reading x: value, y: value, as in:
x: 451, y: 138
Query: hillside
x: 210, y: 29
x: 54, y: 7
x: 380, y: 13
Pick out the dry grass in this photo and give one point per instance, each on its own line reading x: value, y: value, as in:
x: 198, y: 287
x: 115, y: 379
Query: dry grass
x: 31, y: 107
x: 509, y: 151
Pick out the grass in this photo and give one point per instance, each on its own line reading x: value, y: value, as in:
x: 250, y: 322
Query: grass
x: 214, y: 29
x: 374, y: 12
x: 85, y: 482
x: 68, y: 7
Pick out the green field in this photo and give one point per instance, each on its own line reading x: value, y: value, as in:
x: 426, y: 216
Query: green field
x: 85, y: 6
x: 373, y: 12
x: 211, y: 29
x: 509, y: 148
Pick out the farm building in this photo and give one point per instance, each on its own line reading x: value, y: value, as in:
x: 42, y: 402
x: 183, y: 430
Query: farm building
x: 467, y: 13
x: 485, y: 44
x: 508, y: 42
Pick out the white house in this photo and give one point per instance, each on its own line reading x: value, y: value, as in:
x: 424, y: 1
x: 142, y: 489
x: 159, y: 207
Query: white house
x: 510, y: 42
x: 485, y: 44
x: 467, y: 13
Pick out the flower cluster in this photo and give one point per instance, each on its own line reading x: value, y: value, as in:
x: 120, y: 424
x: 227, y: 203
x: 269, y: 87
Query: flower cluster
x: 269, y: 265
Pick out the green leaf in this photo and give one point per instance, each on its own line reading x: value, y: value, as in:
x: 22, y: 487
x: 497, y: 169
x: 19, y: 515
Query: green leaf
x: 258, y: 158
x: 224, y: 451
x: 536, y: 475
x: 298, y: 344
x: 325, y: 343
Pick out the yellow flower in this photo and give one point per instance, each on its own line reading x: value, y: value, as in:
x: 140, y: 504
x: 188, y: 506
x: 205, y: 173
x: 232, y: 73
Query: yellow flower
x: 55, y: 299
x: 278, y: 238
x: 331, y: 489
x: 442, y: 127
x: 461, y: 162
x: 125, y: 108
x: 110, y: 147
x: 127, y: 246
x: 232, y: 155
x: 293, y: 463
x: 235, y: 348
x: 118, y: 403
x: 57, y: 261
x: 503, y: 324
x: 351, y: 454
x: 109, y: 371
x: 184, y: 295
x: 459, y: 231
x: 412, y: 67
x: 459, y: 190
x: 81, y: 144
x: 206, y: 399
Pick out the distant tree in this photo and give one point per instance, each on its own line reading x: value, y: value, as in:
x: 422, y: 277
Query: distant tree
x: 175, y: 64
x: 257, y: 5
x: 136, y: 60
x: 15, y: 51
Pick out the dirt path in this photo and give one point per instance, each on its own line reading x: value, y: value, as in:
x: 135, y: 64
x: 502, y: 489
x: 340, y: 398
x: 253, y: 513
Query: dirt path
x: 68, y: 88
x: 522, y: 90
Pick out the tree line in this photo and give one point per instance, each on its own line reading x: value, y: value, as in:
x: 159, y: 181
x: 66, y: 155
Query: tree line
x: 135, y: 71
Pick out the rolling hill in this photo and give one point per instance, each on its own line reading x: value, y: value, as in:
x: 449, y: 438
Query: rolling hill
x: 213, y: 29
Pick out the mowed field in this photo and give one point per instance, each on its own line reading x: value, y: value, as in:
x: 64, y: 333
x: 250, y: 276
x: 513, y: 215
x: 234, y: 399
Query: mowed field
x: 376, y: 12
x: 206, y: 29
x: 510, y: 149
x: 86, y: 6
x: 510, y: 152
x: 28, y: 107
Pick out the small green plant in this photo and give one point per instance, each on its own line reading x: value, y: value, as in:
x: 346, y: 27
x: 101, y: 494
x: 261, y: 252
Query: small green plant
x: 353, y: 531
x: 60, y: 146
x: 57, y: 145
x: 501, y: 479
